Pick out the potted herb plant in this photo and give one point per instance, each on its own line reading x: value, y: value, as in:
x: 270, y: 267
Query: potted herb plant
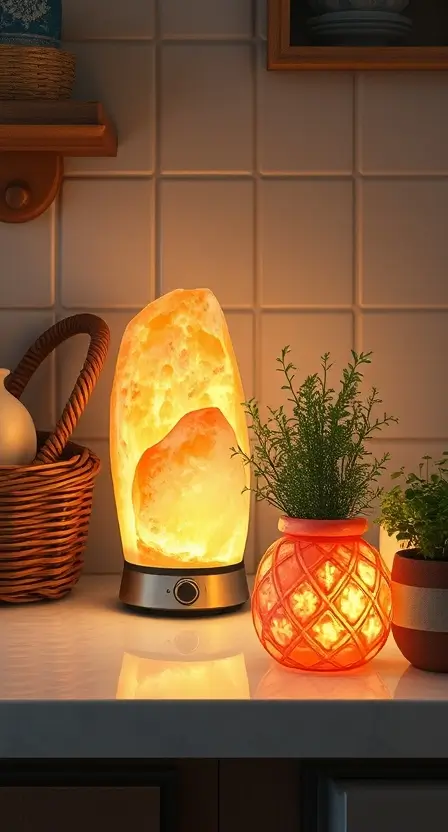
x: 417, y: 513
x: 321, y: 598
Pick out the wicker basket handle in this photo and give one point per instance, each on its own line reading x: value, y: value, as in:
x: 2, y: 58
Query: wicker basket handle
x: 16, y: 382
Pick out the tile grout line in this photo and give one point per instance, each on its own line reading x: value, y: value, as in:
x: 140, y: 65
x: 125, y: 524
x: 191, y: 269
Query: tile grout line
x: 376, y: 440
x: 58, y: 312
x: 53, y: 234
x: 241, y: 309
x: 155, y: 279
x: 358, y: 330
x: 257, y: 270
x: 178, y: 40
x: 405, y: 175
x: 209, y: 40
x: 157, y: 218
x: 276, y: 176
x: 213, y: 175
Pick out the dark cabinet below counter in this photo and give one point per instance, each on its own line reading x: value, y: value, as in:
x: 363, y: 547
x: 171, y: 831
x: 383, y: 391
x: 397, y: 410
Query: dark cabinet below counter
x: 363, y: 796
x: 79, y: 809
x: 388, y: 807
x: 178, y: 796
x: 223, y: 796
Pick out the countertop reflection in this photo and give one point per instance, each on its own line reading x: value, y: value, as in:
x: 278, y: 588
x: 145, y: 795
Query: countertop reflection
x: 88, y: 647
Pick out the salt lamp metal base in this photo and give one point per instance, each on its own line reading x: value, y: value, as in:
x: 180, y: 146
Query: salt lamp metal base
x: 184, y: 591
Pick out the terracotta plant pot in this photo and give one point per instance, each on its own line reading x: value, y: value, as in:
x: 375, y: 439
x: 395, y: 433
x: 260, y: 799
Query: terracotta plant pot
x: 420, y: 610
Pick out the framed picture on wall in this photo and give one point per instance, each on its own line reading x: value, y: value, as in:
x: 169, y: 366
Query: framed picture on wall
x: 357, y: 34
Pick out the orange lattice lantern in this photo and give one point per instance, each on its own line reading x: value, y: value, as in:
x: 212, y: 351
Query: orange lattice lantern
x: 321, y: 599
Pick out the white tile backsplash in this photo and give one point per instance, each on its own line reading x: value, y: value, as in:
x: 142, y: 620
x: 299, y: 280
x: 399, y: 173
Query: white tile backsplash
x: 19, y: 330
x: 241, y: 328
x: 103, y: 553
x: 403, y: 122
x: 27, y: 263
x: 266, y: 518
x: 207, y: 234
x: 310, y: 335
x: 206, y: 108
x: 404, y: 242
x: 408, y: 367
x: 232, y: 18
x: 305, y: 121
x: 306, y: 242
x: 245, y: 181
x: 102, y: 19
x: 105, y: 245
x: 120, y: 74
x: 407, y: 454
x: 261, y: 18
x: 94, y: 422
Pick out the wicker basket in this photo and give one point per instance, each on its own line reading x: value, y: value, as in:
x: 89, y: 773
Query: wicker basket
x: 35, y: 72
x: 45, y: 507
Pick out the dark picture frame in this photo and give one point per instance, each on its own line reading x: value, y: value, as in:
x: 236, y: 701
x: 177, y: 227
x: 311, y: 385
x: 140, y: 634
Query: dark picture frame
x: 288, y: 49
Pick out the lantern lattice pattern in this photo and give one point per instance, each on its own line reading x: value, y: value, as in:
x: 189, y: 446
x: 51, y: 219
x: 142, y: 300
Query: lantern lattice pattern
x: 321, y: 599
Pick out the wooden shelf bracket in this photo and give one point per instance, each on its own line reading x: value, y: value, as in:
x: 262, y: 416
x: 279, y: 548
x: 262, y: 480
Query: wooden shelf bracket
x: 34, y: 138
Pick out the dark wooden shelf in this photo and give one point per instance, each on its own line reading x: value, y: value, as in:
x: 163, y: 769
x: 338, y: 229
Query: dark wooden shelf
x: 284, y: 54
x: 69, y: 128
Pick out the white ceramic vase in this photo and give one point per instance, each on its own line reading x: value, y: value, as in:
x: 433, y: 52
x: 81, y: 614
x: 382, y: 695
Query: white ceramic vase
x: 18, y: 440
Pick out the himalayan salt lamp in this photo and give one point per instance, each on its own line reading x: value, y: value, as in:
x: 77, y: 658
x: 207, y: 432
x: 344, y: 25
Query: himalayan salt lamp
x: 322, y: 597
x: 192, y: 453
x: 176, y: 412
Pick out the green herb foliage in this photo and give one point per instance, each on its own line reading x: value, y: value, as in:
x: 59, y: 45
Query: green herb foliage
x: 315, y: 463
x: 418, y: 512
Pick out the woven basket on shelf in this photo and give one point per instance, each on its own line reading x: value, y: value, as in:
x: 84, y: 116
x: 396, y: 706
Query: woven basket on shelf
x: 45, y: 507
x: 35, y: 72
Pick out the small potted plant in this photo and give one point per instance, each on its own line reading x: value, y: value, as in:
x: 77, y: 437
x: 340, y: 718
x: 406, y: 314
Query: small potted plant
x: 321, y: 599
x: 417, y: 513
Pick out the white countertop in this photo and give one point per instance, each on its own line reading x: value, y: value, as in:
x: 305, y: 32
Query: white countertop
x: 83, y: 677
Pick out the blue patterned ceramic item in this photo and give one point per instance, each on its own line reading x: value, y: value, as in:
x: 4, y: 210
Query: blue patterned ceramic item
x: 31, y: 22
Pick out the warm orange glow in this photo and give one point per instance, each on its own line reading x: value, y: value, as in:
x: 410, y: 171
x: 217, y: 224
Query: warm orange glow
x: 322, y: 602
x: 175, y: 413
x: 147, y: 678
x: 356, y: 684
